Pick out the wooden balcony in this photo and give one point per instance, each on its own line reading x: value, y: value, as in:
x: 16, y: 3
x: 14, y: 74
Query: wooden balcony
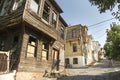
x: 35, y: 21
x: 11, y: 19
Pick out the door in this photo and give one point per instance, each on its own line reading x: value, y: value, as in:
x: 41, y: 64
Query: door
x: 55, y: 59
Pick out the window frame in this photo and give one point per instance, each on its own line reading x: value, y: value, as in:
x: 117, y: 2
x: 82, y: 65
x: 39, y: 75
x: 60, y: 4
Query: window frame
x: 46, y: 13
x: 16, y: 5
x: 74, y: 46
x: 45, y: 50
x: 38, y: 2
x: 75, y: 60
x: 67, y: 61
x: 54, y: 18
x: 33, y: 45
x: 74, y: 33
x: 62, y: 31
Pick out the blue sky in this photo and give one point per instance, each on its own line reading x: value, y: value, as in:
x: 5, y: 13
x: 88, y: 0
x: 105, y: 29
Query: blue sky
x: 81, y: 12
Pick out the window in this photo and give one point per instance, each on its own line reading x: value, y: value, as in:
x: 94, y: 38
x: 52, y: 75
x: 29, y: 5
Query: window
x: 75, y: 60
x: 16, y: 38
x: 46, y: 12
x: 69, y: 34
x: 2, y: 45
x: 67, y: 61
x: 3, y: 6
x: 17, y: 4
x: 45, y: 49
x: 62, y: 32
x: 35, y: 5
x: 15, y: 44
x: 31, y: 49
x: 74, y: 47
x: 54, y: 19
x: 74, y: 33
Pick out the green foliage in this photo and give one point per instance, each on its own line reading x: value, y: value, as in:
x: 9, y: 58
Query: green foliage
x: 104, y: 5
x: 112, y: 45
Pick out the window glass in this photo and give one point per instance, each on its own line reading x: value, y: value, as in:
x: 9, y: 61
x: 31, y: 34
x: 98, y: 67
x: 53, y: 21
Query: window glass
x: 74, y: 33
x: 62, y: 32
x: 67, y: 61
x: 75, y: 60
x: 54, y: 19
x: 46, y: 12
x: 2, y: 45
x: 17, y: 4
x: 3, y: 7
x: 34, y: 5
x: 74, y: 47
x: 45, y: 49
x: 31, y: 48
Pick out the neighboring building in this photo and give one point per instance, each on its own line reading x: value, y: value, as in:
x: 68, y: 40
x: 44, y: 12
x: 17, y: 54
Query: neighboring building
x: 75, y: 50
x: 93, y: 48
x: 96, y: 49
x: 33, y: 31
x: 101, y: 54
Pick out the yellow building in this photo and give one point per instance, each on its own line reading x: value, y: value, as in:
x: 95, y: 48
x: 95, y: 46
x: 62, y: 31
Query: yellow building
x: 75, y: 50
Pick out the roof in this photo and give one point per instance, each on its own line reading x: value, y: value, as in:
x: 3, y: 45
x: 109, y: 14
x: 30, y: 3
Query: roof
x: 63, y: 21
x: 55, y: 4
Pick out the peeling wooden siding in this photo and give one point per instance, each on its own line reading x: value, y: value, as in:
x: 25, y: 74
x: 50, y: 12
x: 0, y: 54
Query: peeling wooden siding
x: 11, y: 20
x: 34, y: 20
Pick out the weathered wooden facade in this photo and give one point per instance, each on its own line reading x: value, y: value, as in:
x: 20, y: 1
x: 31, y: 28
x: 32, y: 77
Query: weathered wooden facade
x: 33, y: 31
x: 75, y: 50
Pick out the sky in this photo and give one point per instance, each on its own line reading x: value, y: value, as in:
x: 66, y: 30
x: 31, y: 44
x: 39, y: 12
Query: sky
x: 81, y: 12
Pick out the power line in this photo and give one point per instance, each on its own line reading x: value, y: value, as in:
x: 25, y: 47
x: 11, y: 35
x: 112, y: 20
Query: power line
x: 102, y: 29
x: 98, y: 26
x: 101, y: 22
x: 100, y: 36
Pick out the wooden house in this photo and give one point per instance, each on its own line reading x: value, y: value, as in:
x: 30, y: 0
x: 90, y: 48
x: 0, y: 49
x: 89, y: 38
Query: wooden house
x: 33, y: 32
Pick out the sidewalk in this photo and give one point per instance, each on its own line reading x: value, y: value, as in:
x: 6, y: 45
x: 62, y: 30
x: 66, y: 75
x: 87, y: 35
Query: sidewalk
x: 8, y: 76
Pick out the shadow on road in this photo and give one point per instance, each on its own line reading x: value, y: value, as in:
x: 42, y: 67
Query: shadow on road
x: 104, y: 76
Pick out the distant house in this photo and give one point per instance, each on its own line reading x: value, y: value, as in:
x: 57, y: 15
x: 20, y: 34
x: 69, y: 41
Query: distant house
x: 93, y: 48
x: 33, y: 31
x: 75, y: 48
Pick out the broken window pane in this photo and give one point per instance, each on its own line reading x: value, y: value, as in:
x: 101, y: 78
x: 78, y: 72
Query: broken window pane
x: 31, y: 49
x: 54, y: 19
x: 46, y: 12
x: 45, y: 49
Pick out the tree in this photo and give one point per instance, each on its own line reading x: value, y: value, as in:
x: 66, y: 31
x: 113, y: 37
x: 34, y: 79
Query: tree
x: 104, y: 5
x: 112, y: 45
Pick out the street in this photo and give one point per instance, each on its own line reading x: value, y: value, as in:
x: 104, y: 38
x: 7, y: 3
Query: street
x: 99, y: 71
